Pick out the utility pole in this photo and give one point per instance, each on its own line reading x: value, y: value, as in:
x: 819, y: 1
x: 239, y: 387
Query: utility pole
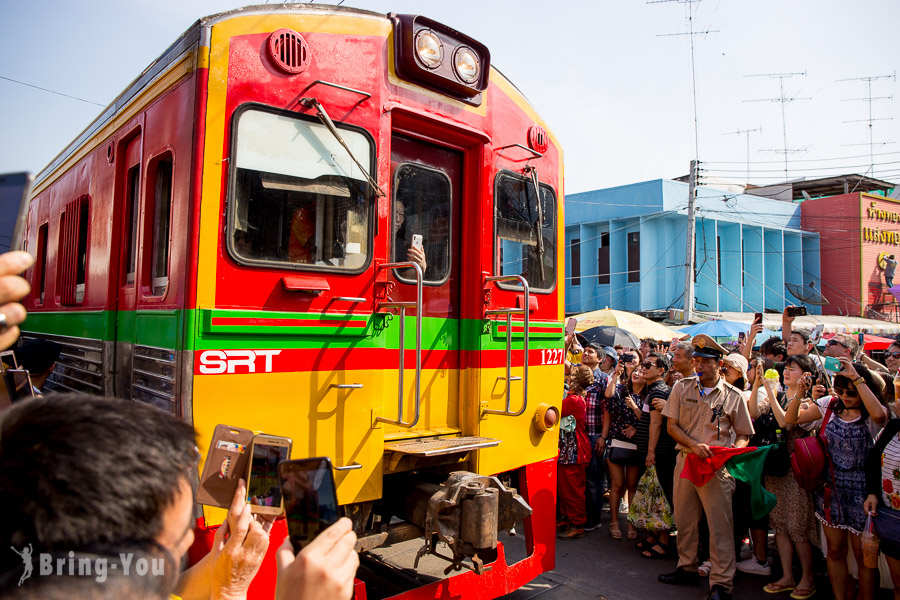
x: 869, y: 98
x: 689, y: 250
x: 748, y: 132
x: 783, y: 100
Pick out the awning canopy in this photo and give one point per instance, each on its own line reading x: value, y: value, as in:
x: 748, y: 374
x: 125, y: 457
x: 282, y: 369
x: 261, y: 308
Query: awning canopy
x: 833, y: 323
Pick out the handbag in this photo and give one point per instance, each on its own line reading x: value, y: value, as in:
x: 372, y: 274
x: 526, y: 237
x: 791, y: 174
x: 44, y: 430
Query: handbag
x: 649, y: 509
x: 625, y: 454
x: 810, y: 456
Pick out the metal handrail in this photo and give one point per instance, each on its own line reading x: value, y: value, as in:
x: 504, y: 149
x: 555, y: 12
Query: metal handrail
x: 509, y: 312
x: 402, y: 306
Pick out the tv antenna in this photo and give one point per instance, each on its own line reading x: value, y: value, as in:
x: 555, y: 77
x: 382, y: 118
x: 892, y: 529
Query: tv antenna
x: 748, y: 132
x: 870, y: 98
x: 690, y: 32
x: 783, y: 100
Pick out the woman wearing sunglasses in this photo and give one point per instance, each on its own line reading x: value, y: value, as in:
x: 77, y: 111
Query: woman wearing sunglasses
x: 621, y: 414
x: 892, y: 357
x: 793, y: 517
x: 857, y: 414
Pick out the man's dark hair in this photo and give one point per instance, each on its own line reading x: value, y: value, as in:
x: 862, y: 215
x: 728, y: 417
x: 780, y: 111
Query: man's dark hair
x: 774, y: 346
x: 37, y: 355
x: 803, y: 333
x: 81, y: 472
x: 660, y: 360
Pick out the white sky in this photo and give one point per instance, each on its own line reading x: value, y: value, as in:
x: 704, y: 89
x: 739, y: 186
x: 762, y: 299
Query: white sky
x: 616, y: 95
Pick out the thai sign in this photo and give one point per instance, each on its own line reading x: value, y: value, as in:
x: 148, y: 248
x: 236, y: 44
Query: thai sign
x: 881, y: 236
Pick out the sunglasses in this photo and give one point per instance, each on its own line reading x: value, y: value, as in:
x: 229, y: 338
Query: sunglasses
x: 837, y: 343
x: 850, y: 393
x: 892, y: 355
x: 649, y: 365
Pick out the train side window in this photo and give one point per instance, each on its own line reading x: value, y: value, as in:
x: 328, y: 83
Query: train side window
x: 72, y: 255
x: 160, y: 177
x: 297, y: 199
x: 516, y: 247
x: 41, y: 262
x: 132, y: 199
x: 422, y: 205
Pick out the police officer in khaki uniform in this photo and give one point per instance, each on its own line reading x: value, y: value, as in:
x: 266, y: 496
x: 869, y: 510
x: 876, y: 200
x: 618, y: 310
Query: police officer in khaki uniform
x: 705, y: 411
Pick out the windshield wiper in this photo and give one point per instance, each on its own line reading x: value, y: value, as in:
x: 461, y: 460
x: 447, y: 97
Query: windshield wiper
x: 322, y: 114
x: 540, y: 219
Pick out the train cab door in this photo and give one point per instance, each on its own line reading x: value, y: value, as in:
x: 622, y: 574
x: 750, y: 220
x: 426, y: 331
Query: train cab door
x: 129, y: 181
x: 426, y: 200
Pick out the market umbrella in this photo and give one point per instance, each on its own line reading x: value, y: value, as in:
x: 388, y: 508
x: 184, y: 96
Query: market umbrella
x: 607, y: 335
x: 640, y: 326
x: 716, y: 328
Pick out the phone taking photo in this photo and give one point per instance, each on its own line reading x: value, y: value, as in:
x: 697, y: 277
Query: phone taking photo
x: 833, y: 364
x: 796, y: 311
x: 310, y: 498
x: 417, y: 241
x: 263, y: 488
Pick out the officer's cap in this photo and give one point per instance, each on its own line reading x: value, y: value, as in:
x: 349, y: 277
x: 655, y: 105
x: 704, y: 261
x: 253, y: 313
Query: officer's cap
x: 706, y: 347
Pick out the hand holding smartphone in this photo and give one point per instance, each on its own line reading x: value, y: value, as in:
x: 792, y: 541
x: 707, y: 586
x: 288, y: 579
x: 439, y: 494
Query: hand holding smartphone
x: 310, y: 498
x: 417, y: 241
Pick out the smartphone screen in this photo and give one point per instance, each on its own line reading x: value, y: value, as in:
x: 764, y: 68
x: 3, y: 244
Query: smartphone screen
x: 757, y: 318
x: 262, y: 482
x: 310, y: 499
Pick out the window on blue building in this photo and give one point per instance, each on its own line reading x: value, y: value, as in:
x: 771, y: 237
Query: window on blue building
x: 634, y: 257
x: 603, y: 260
x: 576, y: 261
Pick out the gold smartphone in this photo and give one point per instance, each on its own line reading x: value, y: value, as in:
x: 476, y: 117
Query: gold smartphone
x: 263, y: 487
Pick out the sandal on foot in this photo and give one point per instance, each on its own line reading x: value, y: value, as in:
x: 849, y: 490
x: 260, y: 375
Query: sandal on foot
x: 646, y: 543
x: 652, y: 552
x: 801, y: 594
x: 633, y: 534
x: 616, y: 533
x: 777, y: 588
x: 704, y: 568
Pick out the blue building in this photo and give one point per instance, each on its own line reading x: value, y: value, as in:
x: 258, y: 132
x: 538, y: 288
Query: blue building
x: 626, y: 250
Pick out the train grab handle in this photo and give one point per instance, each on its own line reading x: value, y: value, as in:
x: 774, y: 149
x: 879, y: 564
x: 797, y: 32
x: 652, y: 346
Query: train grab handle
x: 509, y: 312
x: 403, y: 306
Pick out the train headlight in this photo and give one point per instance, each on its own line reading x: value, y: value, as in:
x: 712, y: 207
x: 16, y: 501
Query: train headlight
x: 429, y: 49
x: 465, y: 62
x: 546, y: 417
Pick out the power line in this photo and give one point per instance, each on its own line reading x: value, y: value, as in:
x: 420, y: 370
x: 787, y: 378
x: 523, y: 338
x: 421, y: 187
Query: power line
x: 770, y: 162
x: 869, y: 98
x: 37, y: 87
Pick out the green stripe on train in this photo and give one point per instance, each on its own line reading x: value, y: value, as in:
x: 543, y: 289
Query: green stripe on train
x: 171, y: 328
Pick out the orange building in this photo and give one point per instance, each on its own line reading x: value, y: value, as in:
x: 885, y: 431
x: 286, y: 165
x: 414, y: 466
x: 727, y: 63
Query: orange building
x: 857, y: 231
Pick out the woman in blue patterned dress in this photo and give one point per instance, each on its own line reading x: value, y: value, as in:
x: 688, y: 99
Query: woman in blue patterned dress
x: 856, y: 416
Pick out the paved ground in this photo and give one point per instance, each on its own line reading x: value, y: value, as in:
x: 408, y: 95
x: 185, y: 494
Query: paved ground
x: 597, y: 566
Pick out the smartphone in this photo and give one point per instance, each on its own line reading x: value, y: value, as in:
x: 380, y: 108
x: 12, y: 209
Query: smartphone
x: 263, y: 489
x: 226, y: 463
x: 310, y: 498
x: 570, y: 326
x: 796, y: 311
x: 833, y: 364
x: 626, y: 358
x: 741, y: 337
x: 417, y: 241
x: 861, y: 338
x: 757, y: 318
x: 816, y: 334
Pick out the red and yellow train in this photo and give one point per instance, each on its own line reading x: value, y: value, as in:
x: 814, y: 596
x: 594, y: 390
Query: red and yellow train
x: 230, y: 241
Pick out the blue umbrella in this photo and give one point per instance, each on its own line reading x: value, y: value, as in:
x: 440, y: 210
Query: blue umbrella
x: 716, y: 329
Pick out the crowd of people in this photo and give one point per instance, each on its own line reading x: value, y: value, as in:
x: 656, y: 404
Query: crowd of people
x: 93, y: 488
x: 697, y: 412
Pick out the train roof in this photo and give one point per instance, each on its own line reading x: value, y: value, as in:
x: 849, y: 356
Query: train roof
x: 196, y: 33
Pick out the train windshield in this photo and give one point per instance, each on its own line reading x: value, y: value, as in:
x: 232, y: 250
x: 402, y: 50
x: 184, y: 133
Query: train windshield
x: 299, y: 201
x: 517, y: 230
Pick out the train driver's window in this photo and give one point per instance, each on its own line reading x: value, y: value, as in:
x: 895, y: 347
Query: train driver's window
x: 422, y: 205
x: 298, y: 200
x: 516, y: 246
